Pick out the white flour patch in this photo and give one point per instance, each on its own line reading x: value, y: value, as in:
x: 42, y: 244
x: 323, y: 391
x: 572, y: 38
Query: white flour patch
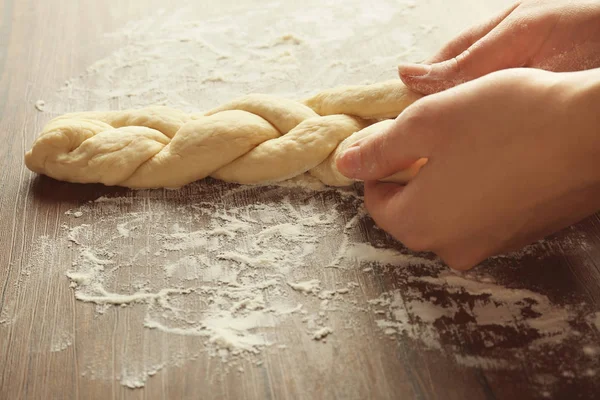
x: 75, y: 214
x: 492, y: 314
x: 482, y: 362
x: 311, y: 286
x: 5, y: 317
x: 595, y: 320
x: 196, y: 64
x: 227, y: 277
x: 61, y: 341
x: 488, y: 326
x: 366, y: 253
x: 40, y: 105
x: 322, y: 333
x: 224, y: 276
x: 591, y: 351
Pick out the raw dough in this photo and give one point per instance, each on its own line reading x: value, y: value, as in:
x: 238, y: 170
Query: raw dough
x: 254, y: 139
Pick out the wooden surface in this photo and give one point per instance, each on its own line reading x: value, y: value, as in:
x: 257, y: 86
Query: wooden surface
x: 44, y: 43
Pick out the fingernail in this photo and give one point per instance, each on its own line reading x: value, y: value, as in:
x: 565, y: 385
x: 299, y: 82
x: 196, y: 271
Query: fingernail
x: 414, y: 69
x: 350, y: 162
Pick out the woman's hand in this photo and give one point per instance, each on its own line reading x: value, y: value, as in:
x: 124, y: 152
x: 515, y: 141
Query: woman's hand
x: 512, y: 157
x: 555, y: 35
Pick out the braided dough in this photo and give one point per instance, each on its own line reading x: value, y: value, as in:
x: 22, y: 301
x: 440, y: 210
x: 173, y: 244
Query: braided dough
x: 254, y: 139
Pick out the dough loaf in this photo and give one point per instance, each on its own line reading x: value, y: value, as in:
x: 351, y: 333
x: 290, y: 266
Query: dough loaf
x: 254, y: 139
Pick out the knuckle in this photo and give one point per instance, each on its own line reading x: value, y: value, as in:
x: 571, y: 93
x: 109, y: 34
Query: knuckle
x: 463, y: 41
x: 417, y: 115
x: 417, y: 241
x: 421, y: 119
x: 457, y: 64
x: 375, y: 155
x: 459, y: 259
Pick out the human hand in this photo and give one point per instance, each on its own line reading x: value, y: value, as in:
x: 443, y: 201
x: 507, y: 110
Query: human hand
x: 555, y: 35
x: 512, y: 157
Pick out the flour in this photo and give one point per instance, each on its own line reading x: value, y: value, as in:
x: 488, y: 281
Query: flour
x: 5, y: 318
x: 312, y: 286
x: 76, y: 214
x: 170, y: 59
x: 366, y: 253
x: 412, y: 313
x: 591, y: 351
x: 482, y: 362
x: 220, y: 274
x: 595, y: 320
x: 62, y: 341
x: 40, y: 105
x: 443, y: 310
x: 229, y: 275
x: 75, y: 232
x: 322, y: 333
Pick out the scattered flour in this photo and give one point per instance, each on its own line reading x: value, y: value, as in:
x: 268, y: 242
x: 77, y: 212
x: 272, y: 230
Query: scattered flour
x: 494, y: 313
x: 218, y: 273
x: 195, y: 64
x: 482, y: 362
x: 229, y: 275
x: 312, y: 286
x: 40, y: 105
x: 366, y: 253
x: 596, y: 321
x: 62, y: 341
x: 76, y: 214
x: 591, y: 351
x: 322, y: 333
x: 5, y: 319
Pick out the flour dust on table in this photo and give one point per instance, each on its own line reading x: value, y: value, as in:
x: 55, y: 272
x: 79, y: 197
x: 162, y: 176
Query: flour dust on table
x: 194, y: 65
x: 226, y: 275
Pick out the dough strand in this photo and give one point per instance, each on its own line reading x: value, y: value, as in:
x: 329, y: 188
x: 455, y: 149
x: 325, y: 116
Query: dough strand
x: 255, y: 139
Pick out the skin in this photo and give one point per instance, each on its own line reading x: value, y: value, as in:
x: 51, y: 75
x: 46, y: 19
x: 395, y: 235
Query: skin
x: 555, y: 35
x: 513, y: 157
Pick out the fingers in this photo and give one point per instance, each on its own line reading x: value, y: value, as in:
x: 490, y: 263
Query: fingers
x: 468, y: 37
x: 385, y: 153
x: 474, y: 53
x: 392, y: 208
x: 381, y: 200
x: 380, y: 196
x: 487, y: 55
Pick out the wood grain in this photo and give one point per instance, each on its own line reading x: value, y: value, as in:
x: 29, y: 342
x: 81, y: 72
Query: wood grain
x: 44, y: 43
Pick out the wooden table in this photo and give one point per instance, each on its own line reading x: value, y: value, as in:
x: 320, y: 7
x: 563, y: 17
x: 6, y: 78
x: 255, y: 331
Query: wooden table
x: 55, y: 347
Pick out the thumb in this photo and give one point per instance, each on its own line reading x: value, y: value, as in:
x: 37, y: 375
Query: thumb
x: 382, y: 154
